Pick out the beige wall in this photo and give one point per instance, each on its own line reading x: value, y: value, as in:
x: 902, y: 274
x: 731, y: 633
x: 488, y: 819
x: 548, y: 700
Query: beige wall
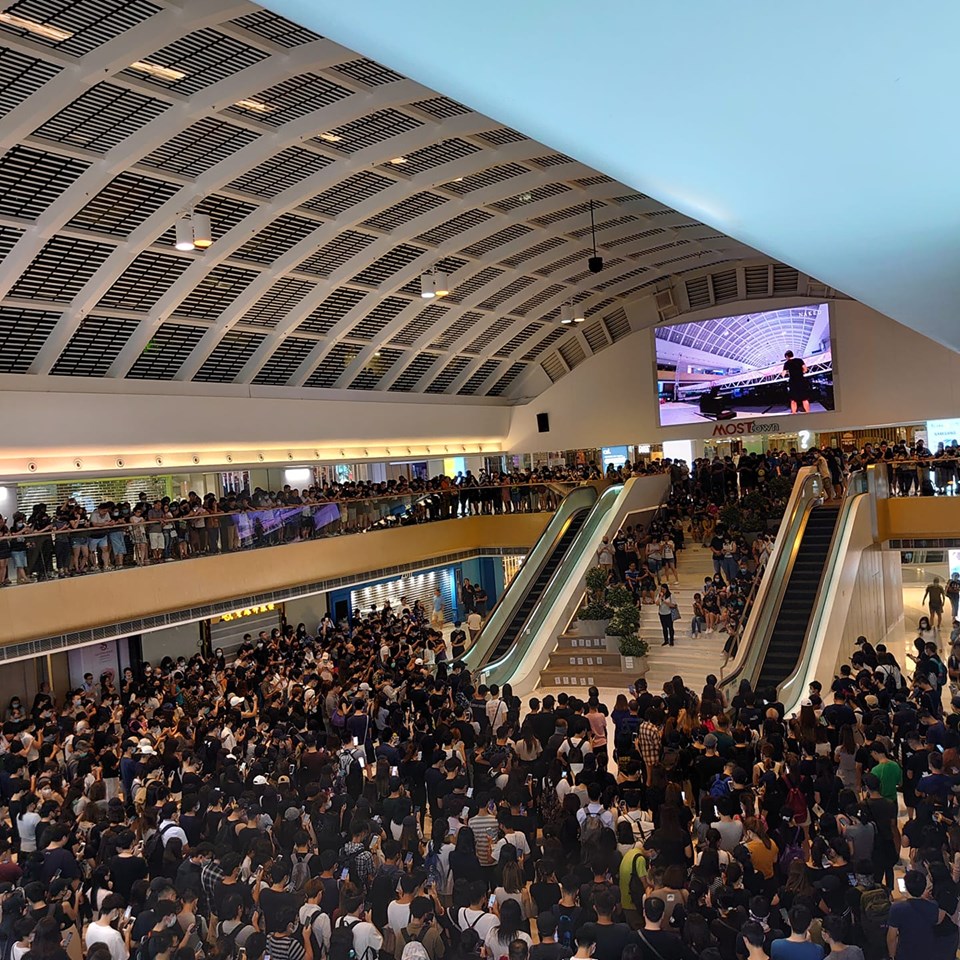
x: 876, y: 600
x: 884, y: 373
x: 64, y: 419
x: 925, y: 517
x: 307, y: 610
x: 63, y: 606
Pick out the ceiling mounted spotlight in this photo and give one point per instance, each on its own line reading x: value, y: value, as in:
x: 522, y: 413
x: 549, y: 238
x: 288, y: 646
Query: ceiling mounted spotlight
x: 202, y: 237
x: 185, y: 234
x: 578, y: 314
x: 566, y: 313
x: 442, y: 284
x: 594, y: 263
x: 428, y: 288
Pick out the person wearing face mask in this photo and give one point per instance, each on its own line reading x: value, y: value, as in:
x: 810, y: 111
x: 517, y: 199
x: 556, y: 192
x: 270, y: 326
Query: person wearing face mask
x: 110, y: 928
x: 14, y: 712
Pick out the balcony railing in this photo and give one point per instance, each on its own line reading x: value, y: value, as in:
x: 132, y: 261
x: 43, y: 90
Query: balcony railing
x: 99, y: 543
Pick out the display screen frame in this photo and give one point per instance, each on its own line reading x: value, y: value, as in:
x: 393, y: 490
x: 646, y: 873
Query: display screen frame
x: 766, y: 405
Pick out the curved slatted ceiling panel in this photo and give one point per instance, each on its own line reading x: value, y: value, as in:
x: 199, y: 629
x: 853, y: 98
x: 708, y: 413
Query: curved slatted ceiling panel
x: 331, y: 182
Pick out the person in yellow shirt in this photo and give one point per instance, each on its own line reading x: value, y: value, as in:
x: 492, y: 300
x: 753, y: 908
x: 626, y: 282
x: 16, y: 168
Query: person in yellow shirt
x: 763, y: 851
x: 633, y: 873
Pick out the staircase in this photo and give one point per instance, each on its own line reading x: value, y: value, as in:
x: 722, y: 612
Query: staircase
x: 581, y: 660
x: 691, y: 657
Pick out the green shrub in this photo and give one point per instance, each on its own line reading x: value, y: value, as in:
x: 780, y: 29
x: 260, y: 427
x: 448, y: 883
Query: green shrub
x: 595, y: 610
x: 633, y: 646
x: 620, y: 596
x: 596, y: 580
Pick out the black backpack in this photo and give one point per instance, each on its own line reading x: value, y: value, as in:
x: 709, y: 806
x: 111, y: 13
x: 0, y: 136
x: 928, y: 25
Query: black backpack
x: 153, y: 848
x: 575, y: 753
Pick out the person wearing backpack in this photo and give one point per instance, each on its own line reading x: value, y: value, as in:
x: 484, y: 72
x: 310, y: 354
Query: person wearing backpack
x: 232, y: 931
x: 573, y: 750
x: 356, y: 858
x: 314, y: 918
x: 593, y: 820
x: 568, y: 912
x: 422, y: 927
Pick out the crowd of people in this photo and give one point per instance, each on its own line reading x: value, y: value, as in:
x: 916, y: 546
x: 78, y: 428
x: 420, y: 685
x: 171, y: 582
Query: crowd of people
x: 72, y: 540
x: 355, y: 795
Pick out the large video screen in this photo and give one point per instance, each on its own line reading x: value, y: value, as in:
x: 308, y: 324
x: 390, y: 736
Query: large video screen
x: 775, y: 363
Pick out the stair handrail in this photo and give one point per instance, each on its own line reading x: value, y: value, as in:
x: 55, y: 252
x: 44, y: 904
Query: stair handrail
x: 807, y: 490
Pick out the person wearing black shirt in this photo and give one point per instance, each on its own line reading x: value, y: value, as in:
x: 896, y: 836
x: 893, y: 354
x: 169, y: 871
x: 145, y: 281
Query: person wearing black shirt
x: 798, y: 390
x: 548, y: 948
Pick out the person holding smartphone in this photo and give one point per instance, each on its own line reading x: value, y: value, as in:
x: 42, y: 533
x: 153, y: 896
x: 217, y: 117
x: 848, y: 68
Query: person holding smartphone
x: 110, y: 928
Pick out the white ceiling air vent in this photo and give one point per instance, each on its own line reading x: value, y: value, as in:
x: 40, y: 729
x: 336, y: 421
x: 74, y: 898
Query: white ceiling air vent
x: 757, y: 280
x: 698, y: 293
x: 785, y: 279
x: 553, y: 367
x: 572, y: 352
x: 595, y: 336
x: 665, y: 305
x: 724, y: 286
x: 617, y: 324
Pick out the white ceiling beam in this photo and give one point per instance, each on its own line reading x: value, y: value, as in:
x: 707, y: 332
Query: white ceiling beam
x: 416, y: 227
x: 335, y: 115
x: 115, y: 55
x: 409, y: 231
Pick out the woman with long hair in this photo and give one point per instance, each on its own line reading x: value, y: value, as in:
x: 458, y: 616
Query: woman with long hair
x: 665, y: 607
x: 763, y: 851
x: 464, y: 863
x: 509, y: 928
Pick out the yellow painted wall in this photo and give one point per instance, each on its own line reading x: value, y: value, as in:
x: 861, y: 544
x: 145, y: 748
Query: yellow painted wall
x: 918, y: 517
x: 64, y: 606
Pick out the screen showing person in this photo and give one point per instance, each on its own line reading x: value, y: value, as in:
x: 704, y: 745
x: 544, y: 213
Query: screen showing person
x: 772, y: 363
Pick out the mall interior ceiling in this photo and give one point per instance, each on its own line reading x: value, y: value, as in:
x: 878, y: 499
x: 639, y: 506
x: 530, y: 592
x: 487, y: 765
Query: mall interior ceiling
x: 209, y: 210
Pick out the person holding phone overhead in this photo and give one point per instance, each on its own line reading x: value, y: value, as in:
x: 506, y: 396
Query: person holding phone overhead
x: 798, y: 390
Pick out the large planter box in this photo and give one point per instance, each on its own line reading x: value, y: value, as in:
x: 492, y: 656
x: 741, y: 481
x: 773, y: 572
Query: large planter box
x: 634, y: 666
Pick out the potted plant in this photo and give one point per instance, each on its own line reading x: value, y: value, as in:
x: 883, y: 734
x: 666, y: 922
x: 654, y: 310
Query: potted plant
x: 633, y: 648
x: 595, y: 614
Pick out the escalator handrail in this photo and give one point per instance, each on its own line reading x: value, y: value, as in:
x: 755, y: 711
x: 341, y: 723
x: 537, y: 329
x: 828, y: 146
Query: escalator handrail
x: 513, y: 596
x: 773, y: 584
x: 601, y: 509
x: 793, y: 687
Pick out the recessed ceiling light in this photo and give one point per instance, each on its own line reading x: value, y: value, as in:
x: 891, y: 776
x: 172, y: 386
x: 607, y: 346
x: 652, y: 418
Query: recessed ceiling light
x: 44, y: 30
x: 458, y: 179
x: 155, y: 70
x: 397, y: 161
x: 254, y: 106
x: 330, y: 137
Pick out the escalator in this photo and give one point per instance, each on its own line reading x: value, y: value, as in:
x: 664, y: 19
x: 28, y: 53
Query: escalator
x: 512, y: 630
x: 508, y: 616
x: 553, y: 596
x: 799, y: 598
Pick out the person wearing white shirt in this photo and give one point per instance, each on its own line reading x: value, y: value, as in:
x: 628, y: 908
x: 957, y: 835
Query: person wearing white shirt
x: 496, y: 709
x: 169, y: 826
x: 367, y: 939
x: 474, y: 624
x: 102, y: 931
x: 27, y: 825
x: 595, y: 808
x: 515, y: 838
x: 475, y: 917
